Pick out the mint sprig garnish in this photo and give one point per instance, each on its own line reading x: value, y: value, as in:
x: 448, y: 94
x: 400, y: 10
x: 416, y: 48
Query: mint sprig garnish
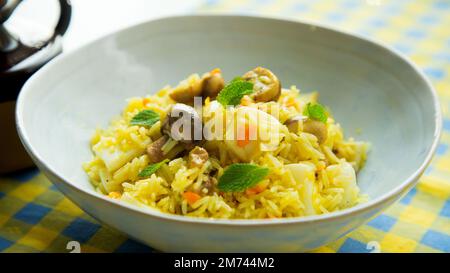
x: 151, y: 169
x: 145, y: 118
x: 233, y: 92
x: 240, y: 176
x: 316, y: 111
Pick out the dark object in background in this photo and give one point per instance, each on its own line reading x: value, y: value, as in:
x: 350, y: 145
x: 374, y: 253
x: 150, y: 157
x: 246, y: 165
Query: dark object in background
x: 17, y: 63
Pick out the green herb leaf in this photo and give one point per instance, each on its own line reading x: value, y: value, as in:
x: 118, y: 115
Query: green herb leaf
x: 233, y: 92
x: 151, y: 169
x: 240, y: 176
x: 316, y: 111
x: 145, y: 118
x: 236, y: 79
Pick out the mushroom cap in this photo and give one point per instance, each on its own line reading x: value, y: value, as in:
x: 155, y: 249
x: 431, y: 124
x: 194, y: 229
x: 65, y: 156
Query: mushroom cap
x: 266, y: 85
x: 317, y: 128
x: 183, y: 124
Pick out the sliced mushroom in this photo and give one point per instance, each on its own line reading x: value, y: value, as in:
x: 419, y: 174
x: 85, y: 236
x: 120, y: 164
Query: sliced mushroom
x: 209, y: 85
x: 197, y: 157
x: 183, y: 124
x: 266, y: 85
x: 295, y: 123
x: 317, y: 128
x: 187, y: 89
x: 154, y: 149
x: 212, y: 84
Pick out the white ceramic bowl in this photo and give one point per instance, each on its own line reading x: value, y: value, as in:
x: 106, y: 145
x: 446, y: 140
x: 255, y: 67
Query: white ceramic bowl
x: 368, y: 87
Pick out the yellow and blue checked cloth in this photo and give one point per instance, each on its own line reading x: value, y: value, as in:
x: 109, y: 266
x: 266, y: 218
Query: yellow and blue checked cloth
x: 36, y: 217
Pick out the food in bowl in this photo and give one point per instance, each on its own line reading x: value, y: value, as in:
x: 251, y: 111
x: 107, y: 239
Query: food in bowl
x: 242, y: 150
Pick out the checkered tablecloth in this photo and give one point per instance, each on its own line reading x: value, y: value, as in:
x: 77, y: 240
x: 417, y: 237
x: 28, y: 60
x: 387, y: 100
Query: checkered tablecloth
x: 35, y: 216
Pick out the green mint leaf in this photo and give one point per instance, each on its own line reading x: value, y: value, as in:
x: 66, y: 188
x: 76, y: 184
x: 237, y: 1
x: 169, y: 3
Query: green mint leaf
x: 233, y: 92
x: 240, y: 176
x: 145, y: 118
x: 151, y: 169
x: 236, y: 79
x: 316, y: 111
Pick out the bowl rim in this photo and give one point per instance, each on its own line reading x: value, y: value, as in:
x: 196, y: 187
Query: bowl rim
x: 152, y: 212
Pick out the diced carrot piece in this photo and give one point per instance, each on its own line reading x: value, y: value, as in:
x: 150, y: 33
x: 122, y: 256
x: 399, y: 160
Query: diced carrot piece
x: 216, y: 71
x: 256, y: 189
x: 191, y: 197
x: 114, y: 195
x: 145, y: 101
x: 246, y: 140
x: 242, y: 142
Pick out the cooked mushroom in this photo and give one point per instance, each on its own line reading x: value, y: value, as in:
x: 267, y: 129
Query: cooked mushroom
x: 197, y: 157
x: 295, y: 123
x: 209, y: 85
x: 187, y: 89
x: 212, y: 84
x: 154, y: 150
x: 265, y: 84
x: 183, y: 124
x: 317, y: 128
